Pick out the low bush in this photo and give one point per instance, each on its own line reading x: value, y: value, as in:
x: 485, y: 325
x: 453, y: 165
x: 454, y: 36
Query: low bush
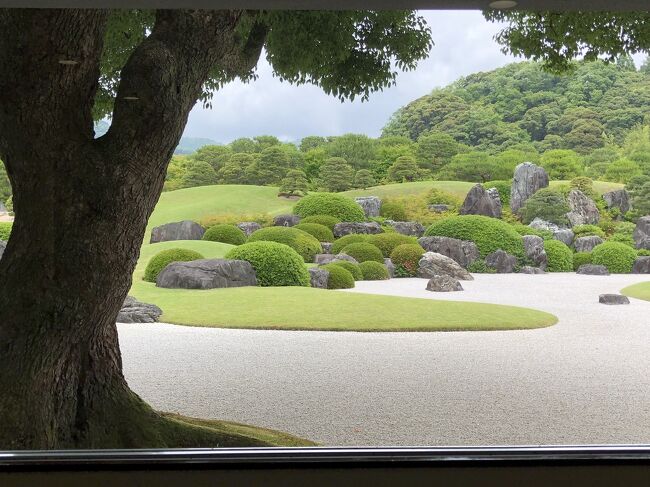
x: 643, y: 253
x: 336, y: 205
x: 547, y: 204
x: 581, y: 258
x: 5, y: 230
x: 229, y: 234
x: 303, y: 243
x: 316, y: 230
x: 346, y: 240
x: 617, y: 257
x: 162, y: 259
x: 351, y: 267
x: 386, y: 242
x: 624, y: 239
x: 373, y: 271
x: 405, y: 258
x: 328, y: 221
x: 339, y: 278
x: 480, y: 267
x: 526, y: 230
x: 439, y: 197
x: 588, y: 231
x: 560, y: 256
x: 503, y: 187
x: 489, y: 234
x: 584, y: 184
x: 392, y: 210
x: 275, y: 264
x: 363, y: 251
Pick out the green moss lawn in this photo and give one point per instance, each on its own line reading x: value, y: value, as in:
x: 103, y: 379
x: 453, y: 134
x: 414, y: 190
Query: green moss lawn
x: 639, y: 291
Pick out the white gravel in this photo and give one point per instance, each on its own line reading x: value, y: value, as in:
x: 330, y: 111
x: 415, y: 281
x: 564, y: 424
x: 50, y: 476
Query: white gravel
x: 582, y: 381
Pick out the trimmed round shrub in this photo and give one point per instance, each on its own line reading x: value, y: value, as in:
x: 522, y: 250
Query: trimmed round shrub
x: 547, y: 204
x: 346, y: 240
x: 489, y: 234
x: 339, y: 278
x: 5, y: 230
x: 588, y: 231
x: 336, y: 205
x: 229, y: 234
x: 316, y: 230
x: 405, y: 258
x: 275, y: 264
x: 363, y: 251
x: 386, y: 242
x: 351, y: 267
x: 560, y: 256
x: 581, y: 258
x: 392, y: 210
x: 526, y: 230
x: 303, y: 243
x: 373, y: 271
x: 162, y: 259
x: 328, y: 221
x: 617, y: 257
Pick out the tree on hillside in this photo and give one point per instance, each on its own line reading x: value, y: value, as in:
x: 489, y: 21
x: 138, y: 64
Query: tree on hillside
x: 562, y: 164
x: 390, y: 149
x: 312, y: 142
x: 357, y: 149
x: 622, y: 171
x: 243, y: 144
x: 215, y: 155
x: 236, y: 170
x: 476, y: 167
x: 294, y: 183
x: 198, y: 173
x: 336, y: 174
x: 403, y: 169
x: 639, y: 188
x: 270, y: 167
x: 363, y: 179
x: 435, y: 149
x: 312, y: 162
x: 265, y: 141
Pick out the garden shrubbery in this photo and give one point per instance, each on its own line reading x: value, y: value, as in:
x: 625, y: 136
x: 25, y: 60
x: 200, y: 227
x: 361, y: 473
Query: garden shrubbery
x: 439, y: 197
x: 391, y: 210
x: 363, y: 251
x: 331, y: 204
x: 616, y: 256
x: 489, y: 234
x: 503, y: 187
x: 316, y: 230
x: 346, y: 240
x: 5, y: 230
x: 588, y: 231
x: 386, y: 242
x: 405, y: 258
x: 526, y: 230
x: 581, y: 258
x: 275, y: 264
x: 373, y: 271
x: 162, y: 259
x: 229, y: 234
x: 480, y: 267
x: 560, y: 256
x: 351, y: 267
x: 547, y: 204
x: 303, y: 243
x: 328, y: 221
x: 339, y: 277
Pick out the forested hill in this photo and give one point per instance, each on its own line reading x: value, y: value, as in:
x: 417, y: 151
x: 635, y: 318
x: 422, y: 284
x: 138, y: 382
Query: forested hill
x: 595, y: 105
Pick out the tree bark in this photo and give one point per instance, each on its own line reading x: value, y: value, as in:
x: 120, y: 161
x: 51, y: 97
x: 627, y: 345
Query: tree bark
x: 82, y: 206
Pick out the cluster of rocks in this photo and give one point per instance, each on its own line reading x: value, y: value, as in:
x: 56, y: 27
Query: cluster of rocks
x: 443, y: 272
x: 133, y: 311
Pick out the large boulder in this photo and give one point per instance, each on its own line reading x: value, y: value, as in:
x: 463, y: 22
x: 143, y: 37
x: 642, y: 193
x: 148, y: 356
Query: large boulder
x: 479, y: 202
x: 346, y: 228
x: 133, y: 311
x: 286, y: 220
x: 593, y: 270
x: 249, y: 227
x: 371, y: 205
x: 443, y: 284
x: 564, y: 235
x: 619, y: 199
x: 583, y: 209
x: 642, y: 233
x: 534, y: 249
x: 641, y: 265
x: 464, y: 252
x: 501, y: 261
x: 613, y: 299
x: 527, y: 180
x: 434, y: 264
x: 322, y: 259
x: 390, y: 267
x: 318, y: 277
x: 207, y: 274
x: 587, y: 244
x: 185, y: 230
x: 413, y: 229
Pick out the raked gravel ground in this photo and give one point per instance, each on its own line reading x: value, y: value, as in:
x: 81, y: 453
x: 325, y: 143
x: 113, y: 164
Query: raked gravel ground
x: 585, y: 380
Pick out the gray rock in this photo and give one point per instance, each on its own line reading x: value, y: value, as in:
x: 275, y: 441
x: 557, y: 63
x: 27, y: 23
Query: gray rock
x: 434, y: 264
x: 527, y: 269
x: 371, y: 205
x: 133, y: 311
x: 346, y: 228
x: 318, y: 277
x: 286, y: 220
x: 564, y: 235
x: 613, y: 299
x: 539, y: 224
x: 185, y: 230
x: 501, y: 261
x: 464, y: 252
x: 3, y: 246
x: 527, y: 180
x: 641, y: 265
x: 390, y: 267
x: 534, y: 249
x: 587, y: 244
x: 249, y: 227
x: 327, y: 247
x: 413, y: 229
x: 443, y: 284
x: 322, y: 259
x: 583, y: 209
x: 641, y: 233
x: 207, y: 274
x: 593, y: 270
x: 619, y: 198
x: 439, y: 208
x: 479, y: 202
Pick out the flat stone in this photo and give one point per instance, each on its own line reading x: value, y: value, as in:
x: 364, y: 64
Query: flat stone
x: 439, y: 208
x: 593, y: 270
x: 464, y: 252
x: 501, y: 261
x: 583, y: 209
x: 249, y: 227
x: 479, y: 202
x: 619, y: 199
x: 587, y: 244
x: 413, y: 229
x: 534, y: 249
x: 434, y: 264
x: 527, y: 180
x: 527, y: 269
x: 185, y: 230
x: 133, y: 311
x: 613, y: 299
x: 322, y: 259
x: 443, y: 284
x: 207, y: 274
x: 286, y: 220
x: 641, y: 265
x: 318, y: 277
x: 346, y: 228
x: 390, y: 267
x: 371, y: 205
x: 641, y: 233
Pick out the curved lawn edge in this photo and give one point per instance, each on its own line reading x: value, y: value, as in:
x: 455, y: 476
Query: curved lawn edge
x: 640, y: 290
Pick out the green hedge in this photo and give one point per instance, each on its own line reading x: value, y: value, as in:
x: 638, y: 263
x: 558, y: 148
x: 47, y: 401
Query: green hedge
x: 346, y: 240
x: 328, y: 221
x: 489, y: 234
x: 5, y: 230
x: 363, y: 251
x: 560, y: 257
x: 275, y: 264
x: 336, y: 205
x: 351, y: 267
x: 162, y: 259
x: 316, y: 230
x: 386, y: 242
x: 392, y: 210
x: 581, y: 258
x: 373, y: 271
x: 405, y: 258
x: 617, y: 257
x: 303, y: 243
x: 339, y: 278
x: 229, y: 234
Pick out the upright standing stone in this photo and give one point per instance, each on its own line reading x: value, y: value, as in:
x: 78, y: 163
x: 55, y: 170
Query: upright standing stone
x: 583, y: 209
x: 618, y: 199
x: 479, y: 202
x: 371, y: 205
x: 528, y: 179
x: 185, y: 230
x: 641, y: 233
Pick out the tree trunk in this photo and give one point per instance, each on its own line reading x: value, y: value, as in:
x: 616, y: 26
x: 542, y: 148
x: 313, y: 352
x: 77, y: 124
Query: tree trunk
x: 82, y: 206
